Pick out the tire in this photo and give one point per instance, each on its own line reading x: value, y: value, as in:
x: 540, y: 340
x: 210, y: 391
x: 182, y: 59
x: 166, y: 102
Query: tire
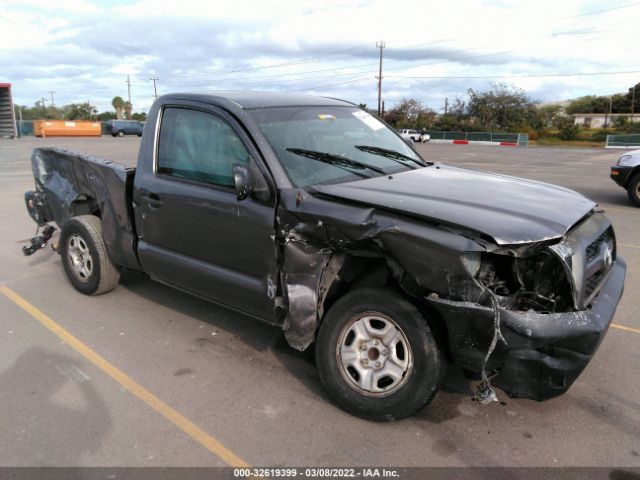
x: 120, y: 133
x: 633, y: 189
x: 410, y: 354
x: 81, y: 237
x: 114, y: 135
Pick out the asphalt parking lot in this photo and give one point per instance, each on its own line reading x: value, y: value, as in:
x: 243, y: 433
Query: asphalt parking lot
x: 241, y: 394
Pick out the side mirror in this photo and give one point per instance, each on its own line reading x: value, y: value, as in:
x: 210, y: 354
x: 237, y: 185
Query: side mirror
x: 243, y: 180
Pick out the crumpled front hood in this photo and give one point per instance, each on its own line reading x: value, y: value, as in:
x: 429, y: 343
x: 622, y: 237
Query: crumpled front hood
x: 510, y: 210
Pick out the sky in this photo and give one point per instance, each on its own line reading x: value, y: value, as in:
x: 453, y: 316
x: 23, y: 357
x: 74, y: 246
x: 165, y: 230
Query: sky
x: 83, y: 50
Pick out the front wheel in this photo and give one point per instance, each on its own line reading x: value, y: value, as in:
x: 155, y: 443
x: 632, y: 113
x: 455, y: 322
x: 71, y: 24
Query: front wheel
x: 633, y: 190
x: 85, y: 258
x: 376, y: 355
x: 121, y: 133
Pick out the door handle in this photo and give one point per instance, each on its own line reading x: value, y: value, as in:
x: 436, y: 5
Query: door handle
x: 153, y: 199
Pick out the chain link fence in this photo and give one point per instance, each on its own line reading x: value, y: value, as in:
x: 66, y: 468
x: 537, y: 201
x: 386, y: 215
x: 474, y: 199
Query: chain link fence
x: 623, y: 141
x: 520, y: 139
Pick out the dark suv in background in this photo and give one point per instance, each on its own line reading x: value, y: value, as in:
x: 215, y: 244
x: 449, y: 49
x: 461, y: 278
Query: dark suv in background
x: 120, y: 128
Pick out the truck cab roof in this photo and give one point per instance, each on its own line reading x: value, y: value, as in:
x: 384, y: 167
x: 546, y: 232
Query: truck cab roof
x: 254, y: 100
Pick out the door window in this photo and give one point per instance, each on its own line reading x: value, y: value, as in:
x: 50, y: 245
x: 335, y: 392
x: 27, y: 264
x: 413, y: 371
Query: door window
x: 198, y: 146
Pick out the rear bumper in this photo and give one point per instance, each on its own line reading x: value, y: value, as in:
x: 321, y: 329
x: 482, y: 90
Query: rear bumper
x: 544, y: 353
x: 620, y: 175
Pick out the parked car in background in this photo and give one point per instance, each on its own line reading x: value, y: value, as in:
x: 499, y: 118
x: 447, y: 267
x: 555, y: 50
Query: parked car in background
x: 120, y: 128
x: 626, y: 173
x: 414, y: 135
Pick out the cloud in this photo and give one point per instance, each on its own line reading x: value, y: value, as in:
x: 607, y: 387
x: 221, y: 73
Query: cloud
x: 83, y: 49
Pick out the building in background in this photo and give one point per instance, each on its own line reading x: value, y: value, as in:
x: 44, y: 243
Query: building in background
x: 600, y: 120
x: 7, y: 115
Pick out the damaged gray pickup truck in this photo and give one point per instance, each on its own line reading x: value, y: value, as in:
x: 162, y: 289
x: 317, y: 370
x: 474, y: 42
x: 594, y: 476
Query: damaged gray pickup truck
x: 311, y: 214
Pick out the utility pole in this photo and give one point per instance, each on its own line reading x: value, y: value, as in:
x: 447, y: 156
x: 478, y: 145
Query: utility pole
x: 382, y: 116
x: 44, y: 108
x: 155, y: 92
x: 381, y: 46
x: 633, y: 101
x: 606, y: 116
x: 53, y: 104
x: 446, y: 105
x: 89, y: 108
x: 129, y: 90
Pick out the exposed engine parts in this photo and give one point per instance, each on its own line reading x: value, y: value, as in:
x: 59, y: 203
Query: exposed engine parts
x: 538, y: 282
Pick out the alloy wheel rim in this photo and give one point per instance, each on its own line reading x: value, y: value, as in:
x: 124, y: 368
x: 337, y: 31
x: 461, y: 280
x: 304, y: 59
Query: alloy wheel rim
x: 80, y: 258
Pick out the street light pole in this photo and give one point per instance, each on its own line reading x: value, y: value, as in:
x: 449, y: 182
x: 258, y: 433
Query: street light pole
x: 155, y: 91
x: 606, y: 116
x: 381, y: 46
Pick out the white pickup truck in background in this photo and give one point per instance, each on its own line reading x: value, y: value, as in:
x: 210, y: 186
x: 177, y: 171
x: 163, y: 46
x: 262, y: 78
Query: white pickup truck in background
x: 414, y: 135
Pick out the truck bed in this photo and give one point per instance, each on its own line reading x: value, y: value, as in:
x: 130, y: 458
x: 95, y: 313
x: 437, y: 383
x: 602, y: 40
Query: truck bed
x: 70, y: 184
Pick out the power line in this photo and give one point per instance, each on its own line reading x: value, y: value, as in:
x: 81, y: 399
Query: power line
x: 335, y: 69
x: 330, y: 85
x: 222, y: 73
x: 264, y: 67
x: 603, y: 11
x: 524, y: 75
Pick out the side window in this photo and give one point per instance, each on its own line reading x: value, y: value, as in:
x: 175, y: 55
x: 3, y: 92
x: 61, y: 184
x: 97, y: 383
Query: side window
x: 198, y: 146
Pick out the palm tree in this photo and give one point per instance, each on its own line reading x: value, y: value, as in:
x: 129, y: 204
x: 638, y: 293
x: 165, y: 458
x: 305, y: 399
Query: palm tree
x: 118, y: 105
x: 127, y: 110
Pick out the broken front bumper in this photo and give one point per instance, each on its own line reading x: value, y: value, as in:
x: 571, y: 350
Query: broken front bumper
x: 544, y: 353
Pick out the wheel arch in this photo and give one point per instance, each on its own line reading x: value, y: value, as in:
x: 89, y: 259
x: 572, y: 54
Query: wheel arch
x: 632, y: 175
x: 344, y: 271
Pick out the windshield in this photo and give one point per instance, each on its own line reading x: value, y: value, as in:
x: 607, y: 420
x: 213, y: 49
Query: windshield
x: 320, y: 145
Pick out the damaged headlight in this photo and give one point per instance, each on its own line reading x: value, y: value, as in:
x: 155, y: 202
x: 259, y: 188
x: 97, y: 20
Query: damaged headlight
x: 529, y: 280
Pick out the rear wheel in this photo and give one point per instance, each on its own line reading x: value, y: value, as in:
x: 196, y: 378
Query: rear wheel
x: 633, y: 189
x: 376, y: 355
x: 85, y: 258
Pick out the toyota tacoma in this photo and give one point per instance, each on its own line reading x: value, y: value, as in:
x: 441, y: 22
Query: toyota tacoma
x: 313, y: 215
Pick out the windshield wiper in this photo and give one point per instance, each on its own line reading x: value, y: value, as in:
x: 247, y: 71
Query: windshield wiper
x: 392, y: 154
x: 337, y: 160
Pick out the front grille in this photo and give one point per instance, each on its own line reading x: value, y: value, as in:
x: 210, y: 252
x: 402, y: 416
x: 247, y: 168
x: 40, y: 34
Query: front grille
x: 592, y: 250
x: 592, y: 247
x: 592, y: 283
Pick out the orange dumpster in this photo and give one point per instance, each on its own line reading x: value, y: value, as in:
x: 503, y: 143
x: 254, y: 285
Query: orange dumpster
x: 66, y: 128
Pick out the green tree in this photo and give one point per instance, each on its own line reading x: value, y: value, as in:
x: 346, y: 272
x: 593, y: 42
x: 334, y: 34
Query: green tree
x: 118, y: 105
x: 501, y: 108
x: 569, y: 130
x: 104, y: 116
x: 549, y: 114
x: 79, y: 111
x: 127, y: 107
x: 409, y: 108
x: 629, y: 96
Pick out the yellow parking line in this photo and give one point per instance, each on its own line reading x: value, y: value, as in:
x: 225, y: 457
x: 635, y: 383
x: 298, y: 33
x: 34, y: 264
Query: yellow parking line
x: 629, y: 245
x: 180, y: 421
x: 625, y: 328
